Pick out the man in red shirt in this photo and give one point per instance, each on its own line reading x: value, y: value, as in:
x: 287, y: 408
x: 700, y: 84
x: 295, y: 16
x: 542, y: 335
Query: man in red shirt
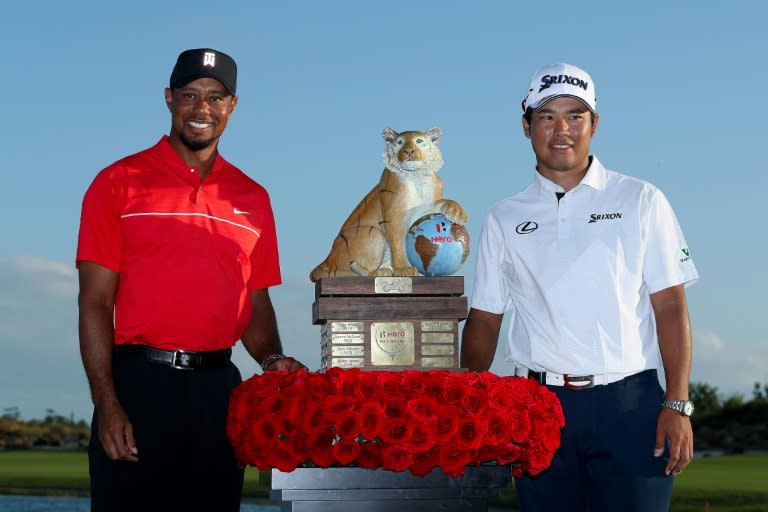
x: 176, y: 252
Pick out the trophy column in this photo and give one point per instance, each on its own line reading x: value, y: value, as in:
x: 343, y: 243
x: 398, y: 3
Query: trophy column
x: 389, y: 323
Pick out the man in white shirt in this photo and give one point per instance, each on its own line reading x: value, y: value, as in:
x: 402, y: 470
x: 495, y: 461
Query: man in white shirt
x: 591, y: 266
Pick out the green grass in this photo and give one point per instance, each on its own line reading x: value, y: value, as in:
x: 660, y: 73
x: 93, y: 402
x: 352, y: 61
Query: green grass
x: 733, y: 483
x: 66, y: 472
x: 44, y: 470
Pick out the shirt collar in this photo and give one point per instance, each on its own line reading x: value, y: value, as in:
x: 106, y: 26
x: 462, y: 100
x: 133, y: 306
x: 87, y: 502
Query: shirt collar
x: 175, y: 163
x: 595, y: 178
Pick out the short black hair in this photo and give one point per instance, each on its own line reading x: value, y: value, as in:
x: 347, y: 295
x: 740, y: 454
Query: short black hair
x: 529, y: 114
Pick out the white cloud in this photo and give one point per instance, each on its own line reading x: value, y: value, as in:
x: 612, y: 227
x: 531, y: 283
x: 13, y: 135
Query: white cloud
x: 730, y: 365
x: 39, y: 358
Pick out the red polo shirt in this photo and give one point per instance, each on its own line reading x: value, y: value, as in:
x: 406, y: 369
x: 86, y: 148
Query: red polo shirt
x: 189, y: 252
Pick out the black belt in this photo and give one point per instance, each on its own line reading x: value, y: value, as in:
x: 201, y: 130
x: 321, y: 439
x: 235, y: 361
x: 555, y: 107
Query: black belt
x: 179, y: 359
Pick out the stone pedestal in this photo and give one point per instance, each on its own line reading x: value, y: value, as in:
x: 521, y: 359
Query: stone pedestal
x: 377, y: 490
x: 389, y: 323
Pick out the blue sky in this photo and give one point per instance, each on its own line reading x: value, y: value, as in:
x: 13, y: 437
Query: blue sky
x: 679, y: 92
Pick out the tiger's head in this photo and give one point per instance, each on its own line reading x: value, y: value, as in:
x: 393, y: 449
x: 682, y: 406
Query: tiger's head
x: 413, y: 152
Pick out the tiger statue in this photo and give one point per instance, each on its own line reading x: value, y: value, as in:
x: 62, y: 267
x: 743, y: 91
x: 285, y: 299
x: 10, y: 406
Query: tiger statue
x: 371, y: 242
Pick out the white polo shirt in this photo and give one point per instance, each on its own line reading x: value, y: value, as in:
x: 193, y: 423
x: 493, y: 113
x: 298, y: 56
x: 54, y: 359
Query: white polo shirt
x: 576, y: 274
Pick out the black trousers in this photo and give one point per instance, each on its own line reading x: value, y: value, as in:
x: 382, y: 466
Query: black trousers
x: 185, y: 460
x: 605, y: 462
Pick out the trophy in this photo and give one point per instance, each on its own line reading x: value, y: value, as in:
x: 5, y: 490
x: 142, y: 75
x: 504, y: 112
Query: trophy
x: 384, y: 296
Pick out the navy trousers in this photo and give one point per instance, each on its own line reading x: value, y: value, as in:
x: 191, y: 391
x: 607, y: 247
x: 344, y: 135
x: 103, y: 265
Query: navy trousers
x: 605, y: 461
x: 185, y: 460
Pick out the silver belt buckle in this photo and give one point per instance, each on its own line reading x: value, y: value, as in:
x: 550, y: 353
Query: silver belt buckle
x: 175, y: 365
x: 588, y: 379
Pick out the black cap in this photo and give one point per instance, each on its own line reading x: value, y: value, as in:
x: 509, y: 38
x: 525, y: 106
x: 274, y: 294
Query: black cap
x: 204, y: 63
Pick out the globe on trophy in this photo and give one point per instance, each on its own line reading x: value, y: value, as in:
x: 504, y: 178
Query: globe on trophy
x: 437, y: 246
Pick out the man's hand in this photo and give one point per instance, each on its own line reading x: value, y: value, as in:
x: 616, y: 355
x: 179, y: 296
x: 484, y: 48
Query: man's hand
x: 676, y: 428
x: 116, y: 434
x: 284, y: 363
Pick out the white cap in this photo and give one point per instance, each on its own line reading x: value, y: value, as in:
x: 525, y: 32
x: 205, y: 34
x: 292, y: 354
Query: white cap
x: 560, y: 79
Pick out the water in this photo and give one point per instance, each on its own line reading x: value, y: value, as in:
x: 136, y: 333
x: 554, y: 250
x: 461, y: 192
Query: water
x: 10, y: 503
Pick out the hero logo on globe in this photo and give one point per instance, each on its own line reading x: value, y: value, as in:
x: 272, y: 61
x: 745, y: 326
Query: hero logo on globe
x: 436, y: 246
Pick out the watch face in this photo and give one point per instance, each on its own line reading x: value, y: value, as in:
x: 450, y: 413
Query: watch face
x: 688, y: 408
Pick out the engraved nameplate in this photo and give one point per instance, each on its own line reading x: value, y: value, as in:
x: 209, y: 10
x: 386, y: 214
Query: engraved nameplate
x: 437, y: 350
x: 393, y: 285
x: 346, y: 326
x: 437, y: 325
x: 437, y: 337
x: 347, y: 362
x: 437, y: 362
x: 353, y: 350
x: 348, y: 338
x: 392, y: 343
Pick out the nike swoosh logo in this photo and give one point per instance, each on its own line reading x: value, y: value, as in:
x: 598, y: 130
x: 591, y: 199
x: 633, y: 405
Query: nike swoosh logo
x: 239, y: 212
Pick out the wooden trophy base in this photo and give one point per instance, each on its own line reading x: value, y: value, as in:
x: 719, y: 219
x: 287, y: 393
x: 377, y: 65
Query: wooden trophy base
x: 389, y: 323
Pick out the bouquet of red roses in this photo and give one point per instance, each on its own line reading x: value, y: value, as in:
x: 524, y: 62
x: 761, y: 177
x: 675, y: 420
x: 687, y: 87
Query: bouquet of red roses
x: 412, y: 419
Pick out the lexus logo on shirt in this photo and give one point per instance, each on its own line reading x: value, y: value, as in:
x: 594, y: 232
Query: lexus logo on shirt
x: 526, y: 227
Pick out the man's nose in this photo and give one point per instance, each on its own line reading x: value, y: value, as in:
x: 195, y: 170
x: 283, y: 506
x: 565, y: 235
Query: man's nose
x: 561, y: 125
x: 202, y: 103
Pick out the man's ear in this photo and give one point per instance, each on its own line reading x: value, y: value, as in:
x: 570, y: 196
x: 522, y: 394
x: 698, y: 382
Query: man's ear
x: 526, y: 128
x: 594, y: 123
x: 169, y: 98
x: 232, y: 105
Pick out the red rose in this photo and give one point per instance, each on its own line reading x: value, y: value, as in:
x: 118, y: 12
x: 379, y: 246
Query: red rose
x: 422, y: 409
x: 394, y: 409
x: 322, y: 451
x: 300, y: 447
x: 498, y: 429
x: 473, y: 400
x: 315, y: 422
x: 508, y: 453
x: 346, y: 450
x: 389, y: 384
x: 283, y: 457
x: 318, y: 386
x: 422, y: 438
x: 273, y: 405
x: 499, y: 396
x: 348, y: 426
x: 296, y: 413
x: 537, y: 459
x: 425, y: 462
x: 396, y: 457
x: 395, y: 432
x: 433, y: 382
x: 348, y: 380
x: 446, y: 426
x: 265, y: 430
x: 338, y: 406
x: 369, y: 456
x: 470, y: 433
x: 520, y: 425
x: 453, y: 460
x: 413, y: 382
x: 368, y: 386
x: 454, y: 390
x: 371, y: 420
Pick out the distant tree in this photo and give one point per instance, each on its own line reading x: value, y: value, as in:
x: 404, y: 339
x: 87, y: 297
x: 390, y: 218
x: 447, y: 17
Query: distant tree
x: 11, y: 413
x: 760, y: 394
x: 734, y: 401
x: 705, y: 397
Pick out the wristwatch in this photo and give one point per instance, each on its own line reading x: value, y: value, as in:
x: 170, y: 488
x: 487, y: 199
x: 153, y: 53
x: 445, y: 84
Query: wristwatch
x: 684, y: 407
